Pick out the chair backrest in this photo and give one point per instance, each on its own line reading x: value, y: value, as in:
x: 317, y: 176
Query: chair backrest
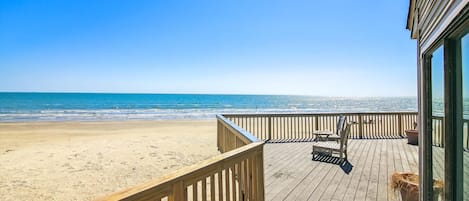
x: 340, y: 124
x: 344, y: 135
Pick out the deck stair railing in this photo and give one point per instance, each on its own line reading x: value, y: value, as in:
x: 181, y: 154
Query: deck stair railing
x: 235, y: 175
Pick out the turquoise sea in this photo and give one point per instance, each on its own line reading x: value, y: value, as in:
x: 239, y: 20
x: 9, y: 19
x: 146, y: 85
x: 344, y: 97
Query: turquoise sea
x: 16, y: 107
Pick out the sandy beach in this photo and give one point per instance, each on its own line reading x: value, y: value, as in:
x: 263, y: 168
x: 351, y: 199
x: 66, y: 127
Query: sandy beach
x: 87, y: 160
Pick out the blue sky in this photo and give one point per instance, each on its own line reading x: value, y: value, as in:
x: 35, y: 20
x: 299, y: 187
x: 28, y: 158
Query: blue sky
x: 327, y: 48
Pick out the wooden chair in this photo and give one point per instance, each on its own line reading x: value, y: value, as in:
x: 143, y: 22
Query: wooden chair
x: 334, y: 136
x: 330, y: 147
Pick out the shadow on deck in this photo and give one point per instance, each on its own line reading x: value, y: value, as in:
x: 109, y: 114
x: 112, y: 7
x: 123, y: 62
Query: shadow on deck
x: 291, y: 174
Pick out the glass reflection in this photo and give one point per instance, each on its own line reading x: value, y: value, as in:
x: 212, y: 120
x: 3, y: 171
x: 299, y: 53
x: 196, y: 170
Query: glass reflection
x: 438, y: 118
x: 465, y: 94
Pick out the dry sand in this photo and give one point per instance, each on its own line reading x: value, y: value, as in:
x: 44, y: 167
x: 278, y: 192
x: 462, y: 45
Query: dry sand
x: 86, y: 160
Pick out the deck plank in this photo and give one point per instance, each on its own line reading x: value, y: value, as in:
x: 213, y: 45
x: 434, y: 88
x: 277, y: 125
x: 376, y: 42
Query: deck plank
x: 338, y: 180
x: 356, y: 174
x: 391, y: 167
x: 347, y: 178
x: 405, y: 161
x: 282, y: 166
x: 383, y: 174
x: 308, y: 184
x: 293, y: 177
x: 364, y: 180
x: 373, y: 177
x: 285, y: 170
x: 290, y: 174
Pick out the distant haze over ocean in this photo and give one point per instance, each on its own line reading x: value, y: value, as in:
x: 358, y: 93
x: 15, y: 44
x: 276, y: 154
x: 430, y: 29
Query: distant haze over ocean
x: 17, y: 107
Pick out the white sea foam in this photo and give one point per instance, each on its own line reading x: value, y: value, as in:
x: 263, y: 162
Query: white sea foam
x: 141, y: 114
x: 103, y: 107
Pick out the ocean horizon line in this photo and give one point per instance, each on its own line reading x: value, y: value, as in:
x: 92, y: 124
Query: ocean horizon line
x: 194, y: 93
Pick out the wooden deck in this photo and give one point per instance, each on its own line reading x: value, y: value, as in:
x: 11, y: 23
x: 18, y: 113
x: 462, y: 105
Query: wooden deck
x: 291, y: 174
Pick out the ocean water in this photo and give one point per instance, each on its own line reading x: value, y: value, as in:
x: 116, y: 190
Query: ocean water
x: 16, y: 107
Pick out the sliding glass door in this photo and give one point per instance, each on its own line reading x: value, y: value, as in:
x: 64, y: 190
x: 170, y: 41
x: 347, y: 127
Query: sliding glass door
x: 447, y: 125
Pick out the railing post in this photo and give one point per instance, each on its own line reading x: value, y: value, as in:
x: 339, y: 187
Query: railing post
x: 360, y: 126
x: 177, y: 192
x: 270, y: 128
x: 316, y: 122
x: 219, y: 126
x: 399, y: 124
x: 260, y: 174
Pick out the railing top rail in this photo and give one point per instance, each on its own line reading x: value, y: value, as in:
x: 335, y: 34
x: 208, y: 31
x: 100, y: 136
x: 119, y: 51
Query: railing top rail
x: 243, y: 132
x: 314, y: 114
x: 184, y: 173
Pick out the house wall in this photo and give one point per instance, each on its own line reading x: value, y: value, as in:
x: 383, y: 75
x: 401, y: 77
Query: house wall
x: 431, y: 18
x: 428, y: 20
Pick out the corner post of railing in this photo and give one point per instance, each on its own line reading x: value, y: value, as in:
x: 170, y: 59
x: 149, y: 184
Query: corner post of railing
x: 260, y: 174
x: 399, y: 124
x: 177, y: 192
x: 269, y: 124
x: 218, y: 134
x: 360, y: 126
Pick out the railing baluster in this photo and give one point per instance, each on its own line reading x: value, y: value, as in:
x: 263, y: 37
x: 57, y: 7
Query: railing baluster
x: 360, y: 126
x: 240, y: 180
x: 194, y: 191
x: 253, y: 177
x: 227, y: 183
x: 268, y: 127
x: 233, y: 182
x: 212, y: 187
x: 316, y: 122
x: 246, y: 180
x: 399, y: 125
x: 220, y: 185
x: 257, y: 125
x: 290, y: 130
x: 204, y: 189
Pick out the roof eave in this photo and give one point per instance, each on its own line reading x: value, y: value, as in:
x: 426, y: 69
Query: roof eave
x: 410, y: 19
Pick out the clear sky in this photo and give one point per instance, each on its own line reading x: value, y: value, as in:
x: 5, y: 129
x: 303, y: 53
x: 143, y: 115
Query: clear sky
x: 328, y: 48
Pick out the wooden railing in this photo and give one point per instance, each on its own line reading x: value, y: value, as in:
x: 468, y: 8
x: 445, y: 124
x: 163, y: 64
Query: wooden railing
x: 235, y: 175
x: 238, y: 173
x: 438, y: 133
x: 299, y: 127
x: 230, y: 136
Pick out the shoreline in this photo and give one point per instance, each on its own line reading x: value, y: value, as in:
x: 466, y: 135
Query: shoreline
x: 77, y: 160
x: 106, y: 121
